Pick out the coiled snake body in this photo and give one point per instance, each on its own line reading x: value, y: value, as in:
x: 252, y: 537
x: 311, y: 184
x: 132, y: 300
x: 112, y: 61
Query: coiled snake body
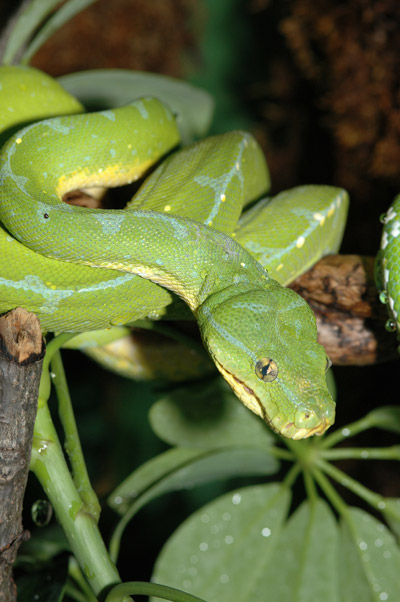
x: 80, y: 269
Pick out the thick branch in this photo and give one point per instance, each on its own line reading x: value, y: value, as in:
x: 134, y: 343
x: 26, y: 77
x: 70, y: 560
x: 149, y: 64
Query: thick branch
x: 21, y: 354
x: 350, y: 318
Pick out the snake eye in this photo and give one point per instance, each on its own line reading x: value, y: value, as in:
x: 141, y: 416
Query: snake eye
x: 328, y: 364
x: 266, y: 369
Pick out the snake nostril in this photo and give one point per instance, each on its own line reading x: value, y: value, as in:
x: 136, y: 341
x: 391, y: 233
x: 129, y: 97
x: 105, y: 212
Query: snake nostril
x: 306, y: 418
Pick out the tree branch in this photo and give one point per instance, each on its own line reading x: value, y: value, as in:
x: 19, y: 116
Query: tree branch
x: 21, y: 355
x: 350, y: 318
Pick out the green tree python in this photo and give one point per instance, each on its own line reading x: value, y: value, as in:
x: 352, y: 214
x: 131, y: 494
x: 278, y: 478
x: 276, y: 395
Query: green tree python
x: 83, y: 269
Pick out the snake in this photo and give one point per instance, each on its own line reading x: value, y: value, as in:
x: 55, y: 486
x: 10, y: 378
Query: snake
x: 387, y: 265
x: 179, y: 243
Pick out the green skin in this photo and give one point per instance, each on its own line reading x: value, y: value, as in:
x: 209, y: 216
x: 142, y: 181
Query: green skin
x: 388, y: 264
x: 112, y: 267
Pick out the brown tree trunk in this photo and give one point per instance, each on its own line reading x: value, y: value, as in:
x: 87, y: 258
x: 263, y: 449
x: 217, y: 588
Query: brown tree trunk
x: 21, y: 355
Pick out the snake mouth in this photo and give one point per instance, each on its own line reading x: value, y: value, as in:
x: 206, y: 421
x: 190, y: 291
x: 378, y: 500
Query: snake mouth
x: 245, y: 393
x: 253, y: 402
x: 304, y: 433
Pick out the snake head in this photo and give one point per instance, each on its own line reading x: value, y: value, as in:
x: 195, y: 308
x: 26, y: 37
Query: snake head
x: 264, y: 343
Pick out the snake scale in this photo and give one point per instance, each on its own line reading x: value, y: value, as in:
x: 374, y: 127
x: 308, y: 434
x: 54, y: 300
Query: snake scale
x: 82, y: 269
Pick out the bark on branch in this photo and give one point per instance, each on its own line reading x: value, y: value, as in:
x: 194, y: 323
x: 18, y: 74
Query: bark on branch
x: 21, y: 355
x: 350, y: 318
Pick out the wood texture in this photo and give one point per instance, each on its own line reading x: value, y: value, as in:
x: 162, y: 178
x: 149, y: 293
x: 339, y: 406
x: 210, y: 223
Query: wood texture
x: 21, y: 354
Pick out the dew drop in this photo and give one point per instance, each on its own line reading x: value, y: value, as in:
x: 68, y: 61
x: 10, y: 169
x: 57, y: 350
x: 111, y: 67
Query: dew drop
x: 383, y: 596
x: 205, y: 518
x: 41, y: 511
x: 381, y: 505
x: 378, y: 542
x: 345, y: 432
x: 363, y: 545
x: 118, y: 500
x: 266, y: 532
x: 390, y: 325
x: 387, y: 554
x: 226, y: 516
x: 383, y: 297
x: 236, y: 498
x: 203, y: 546
x: 187, y: 584
x: 228, y: 539
x: 364, y: 454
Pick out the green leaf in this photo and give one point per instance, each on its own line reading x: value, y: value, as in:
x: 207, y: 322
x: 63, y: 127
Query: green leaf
x: 57, y: 20
x: 207, y: 417
x: 369, y: 559
x: 387, y: 418
x: 391, y: 513
x: 29, y: 20
x: 304, y: 565
x: 221, y: 552
x: 46, y: 584
x: 109, y: 88
x: 181, y: 468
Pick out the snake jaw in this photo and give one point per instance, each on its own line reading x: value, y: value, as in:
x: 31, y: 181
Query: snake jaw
x: 245, y: 394
x: 252, y: 401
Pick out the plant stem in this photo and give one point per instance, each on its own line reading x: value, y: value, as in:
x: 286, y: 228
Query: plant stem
x: 373, y: 499
x: 75, y: 575
x: 310, y: 486
x: 142, y: 588
x: 330, y: 492
x: 362, y: 453
x: 49, y: 465
x: 72, y: 443
x: 350, y: 430
x: 291, y: 476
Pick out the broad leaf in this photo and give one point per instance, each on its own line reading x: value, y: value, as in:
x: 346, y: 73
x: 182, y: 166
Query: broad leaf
x: 304, y: 566
x: 181, y: 468
x: 369, y: 560
x: 221, y: 552
x: 391, y: 512
x: 207, y: 417
x: 109, y: 88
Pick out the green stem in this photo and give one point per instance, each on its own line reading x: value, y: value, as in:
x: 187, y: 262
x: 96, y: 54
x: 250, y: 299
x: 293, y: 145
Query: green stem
x: 375, y: 500
x: 49, y: 465
x: 362, y: 453
x: 72, y: 443
x: 310, y: 486
x: 75, y: 574
x: 330, y: 492
x: 51, y: 348
x: 141, y: 588
x: 115, y: 541
x: 291, y: 476
x: 281, y: 454
x: 349, y: 430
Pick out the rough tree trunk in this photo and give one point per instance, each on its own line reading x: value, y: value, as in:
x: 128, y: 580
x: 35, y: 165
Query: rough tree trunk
x: 21, y: 355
